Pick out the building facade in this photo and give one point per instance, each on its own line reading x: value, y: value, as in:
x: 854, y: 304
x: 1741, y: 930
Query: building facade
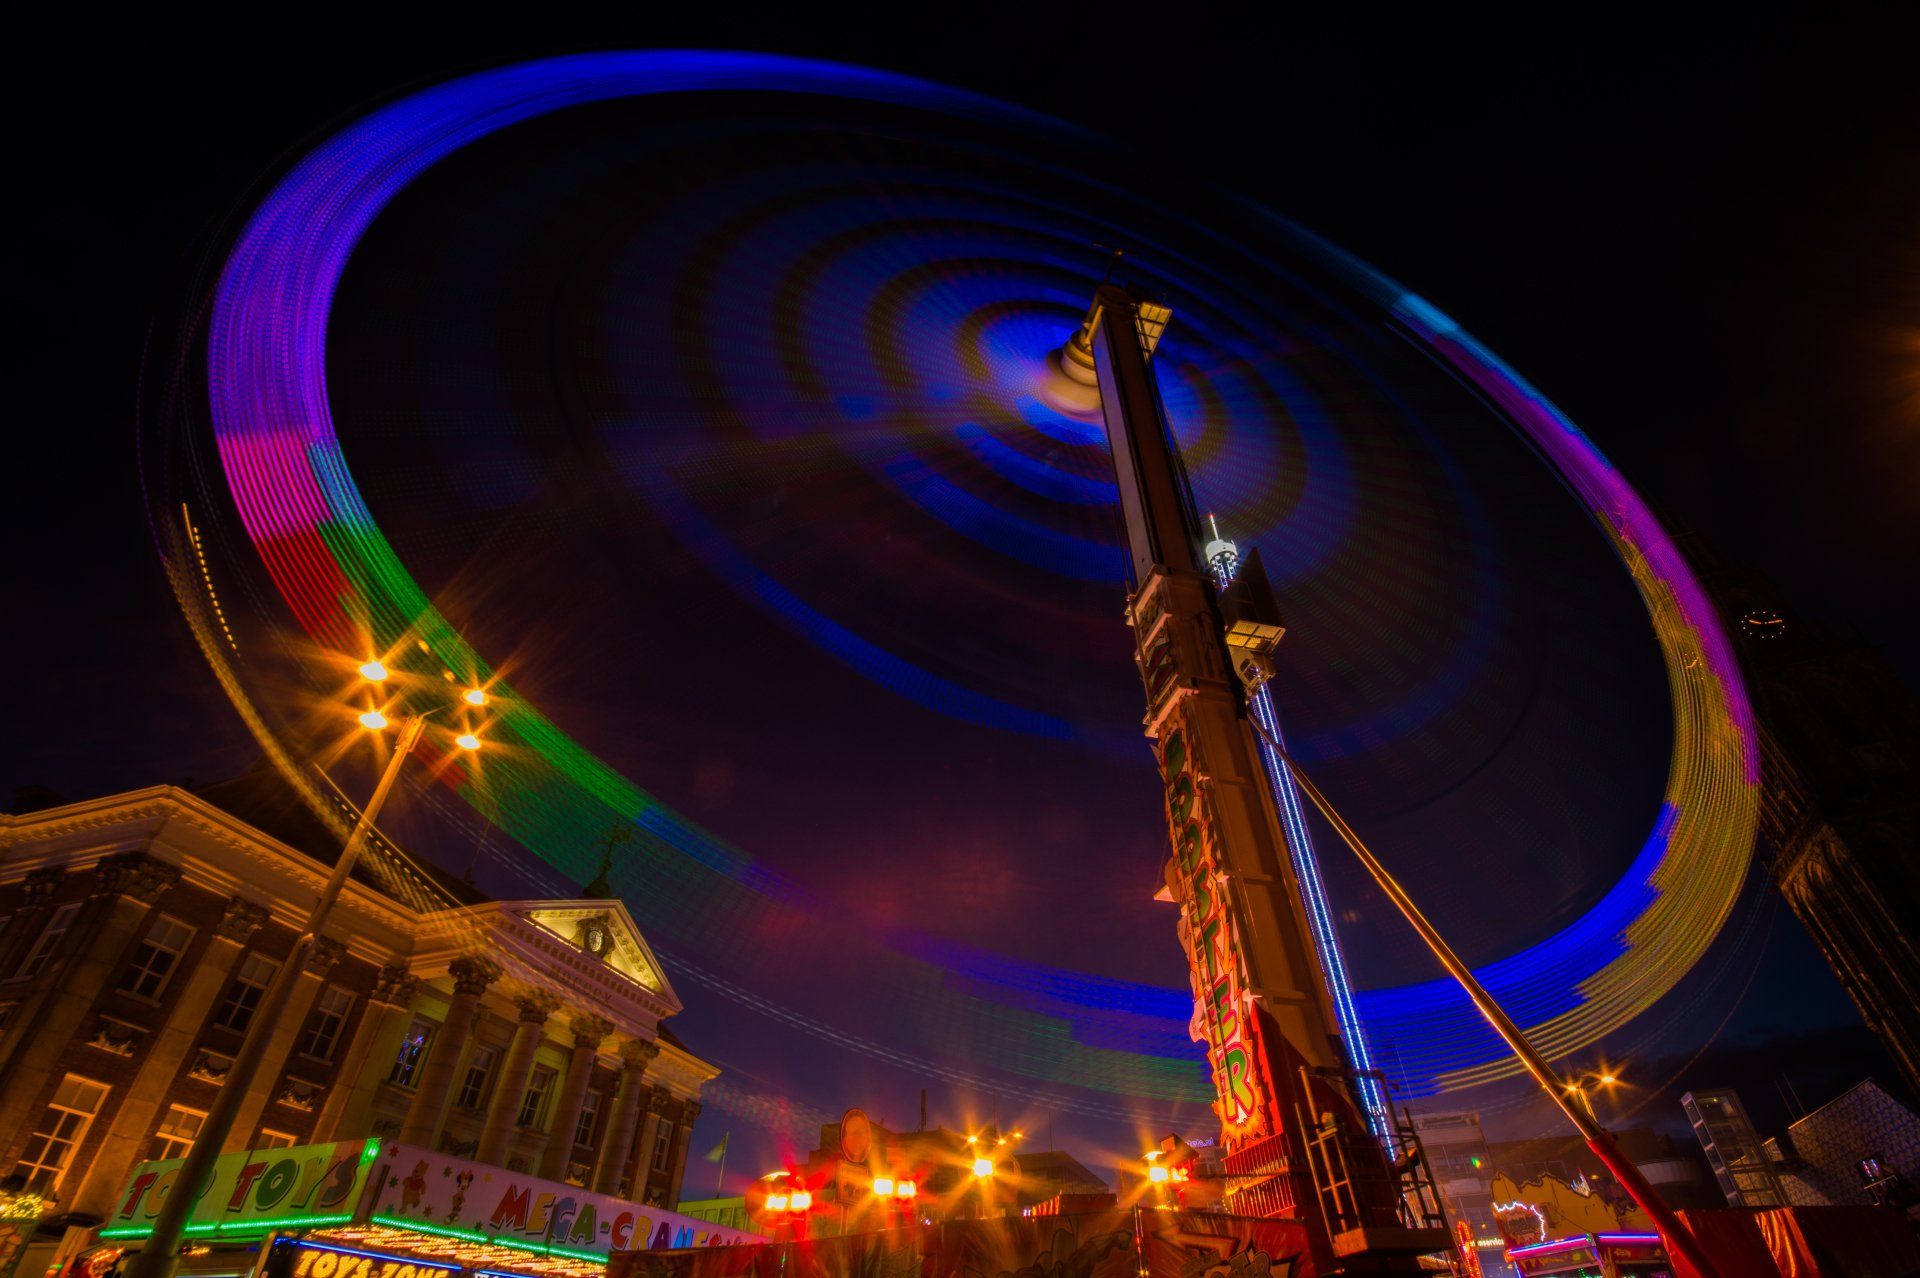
x: 1861, y: 1147
x: 139, y: 931
x: 1462, y: 1165
x: 1840, y: 816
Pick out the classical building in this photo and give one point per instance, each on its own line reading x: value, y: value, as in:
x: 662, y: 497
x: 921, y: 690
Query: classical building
x: 1840, y: 736
x: 138, y: 932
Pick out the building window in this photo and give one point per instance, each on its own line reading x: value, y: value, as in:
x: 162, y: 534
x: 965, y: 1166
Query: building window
x: 158, y: 955
x: 270, y: 1139
x: 50, y: 935
x: 61, y: 1129
x: 243, y: 995
x: 661, y: 1145
x: 412, y: 1055
x: 473, y: 1088
x: 533, y: 1106
x: 176, y: 1132
x: 589, y: 1119
x: 322, y: 1034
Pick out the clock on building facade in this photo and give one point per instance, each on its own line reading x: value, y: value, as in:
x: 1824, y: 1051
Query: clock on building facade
x: 596, y: 938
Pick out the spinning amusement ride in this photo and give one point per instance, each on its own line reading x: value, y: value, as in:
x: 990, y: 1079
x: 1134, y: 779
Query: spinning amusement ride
x: 920, y: 331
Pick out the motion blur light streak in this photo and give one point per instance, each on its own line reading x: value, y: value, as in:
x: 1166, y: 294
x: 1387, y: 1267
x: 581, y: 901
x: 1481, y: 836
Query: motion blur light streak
x: 1242, y: 406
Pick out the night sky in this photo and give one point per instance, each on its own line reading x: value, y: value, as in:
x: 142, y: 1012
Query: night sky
x: 1695, y: 237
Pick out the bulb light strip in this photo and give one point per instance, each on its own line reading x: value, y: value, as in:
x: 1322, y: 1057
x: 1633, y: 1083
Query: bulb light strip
x: 232, y: 1228
x: 491, y: 1240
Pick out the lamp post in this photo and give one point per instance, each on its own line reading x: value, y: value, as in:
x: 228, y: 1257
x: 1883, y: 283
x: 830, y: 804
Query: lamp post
x: 159, y: 1256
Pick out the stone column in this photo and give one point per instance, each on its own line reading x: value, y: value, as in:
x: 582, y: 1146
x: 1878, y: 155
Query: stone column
x: 640, y: 1167
x: 618, y: 1141
x: 134, y: 1120
x: 677, y: 1156
x: 126, y: 889
x: 511, y: 1089
x: 265, y: 1086
x: 364, y: 1065
x: 588, y: 1033
x: 471, y: 976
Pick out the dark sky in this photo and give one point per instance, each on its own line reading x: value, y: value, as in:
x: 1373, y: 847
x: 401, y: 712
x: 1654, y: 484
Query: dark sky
x: 1696, y: 235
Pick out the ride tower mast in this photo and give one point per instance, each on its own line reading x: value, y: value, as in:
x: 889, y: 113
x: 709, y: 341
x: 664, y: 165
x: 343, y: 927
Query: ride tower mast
x: 1297, y: 1138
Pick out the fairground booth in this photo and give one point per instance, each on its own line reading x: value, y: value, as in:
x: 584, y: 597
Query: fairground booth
x: 1129, y: 1243
x: 372, y: 1209
x: 1624, y: 1255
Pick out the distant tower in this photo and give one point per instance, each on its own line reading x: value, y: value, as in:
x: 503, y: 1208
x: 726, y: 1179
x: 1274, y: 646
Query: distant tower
x: 1840, y: 810
x: 1726, y: 1134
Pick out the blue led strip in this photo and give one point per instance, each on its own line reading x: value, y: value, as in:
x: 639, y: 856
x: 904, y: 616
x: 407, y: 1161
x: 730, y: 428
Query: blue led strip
x: 1313, y: 894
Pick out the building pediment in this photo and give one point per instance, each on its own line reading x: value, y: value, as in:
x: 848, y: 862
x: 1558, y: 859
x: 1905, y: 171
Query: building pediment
x: 603, y: 930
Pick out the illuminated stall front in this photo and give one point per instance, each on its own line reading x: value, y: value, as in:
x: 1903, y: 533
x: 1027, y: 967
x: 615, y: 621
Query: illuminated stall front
x: 369, y: 1209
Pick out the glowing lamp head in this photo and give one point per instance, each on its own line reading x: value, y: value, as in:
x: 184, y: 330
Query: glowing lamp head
x: 373, y: 672
x: 467, y: 741
x: 474, y: 697
x: 1609, y: 1079
x: 1158, y: 1174
x: 776, y: 1202
x: 373, y: 720
x: 905, y: 1189
x: 882, y: 1187
x: 982, y: 1168
x: 799, y: 1200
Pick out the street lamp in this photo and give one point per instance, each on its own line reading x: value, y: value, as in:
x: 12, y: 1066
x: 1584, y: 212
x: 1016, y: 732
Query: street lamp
x: 159, y: 1256
x: 1579, y: 1088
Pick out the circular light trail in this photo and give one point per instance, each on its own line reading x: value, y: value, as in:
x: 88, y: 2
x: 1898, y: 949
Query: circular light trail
x: 303, y: 512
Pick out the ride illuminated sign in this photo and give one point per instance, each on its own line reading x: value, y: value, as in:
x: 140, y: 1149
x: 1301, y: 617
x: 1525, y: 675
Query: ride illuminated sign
x: 1221, y: 1007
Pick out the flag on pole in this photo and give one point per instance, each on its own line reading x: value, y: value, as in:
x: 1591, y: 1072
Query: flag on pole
x: 719, y: 1152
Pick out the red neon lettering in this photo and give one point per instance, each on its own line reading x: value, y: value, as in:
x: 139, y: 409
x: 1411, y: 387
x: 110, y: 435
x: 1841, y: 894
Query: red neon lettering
x: 513, y: 1208
x: 242, y: 1183
x: 140, y: 1186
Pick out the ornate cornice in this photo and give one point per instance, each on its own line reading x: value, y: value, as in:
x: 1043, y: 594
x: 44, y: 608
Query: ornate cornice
x: 472, y: 973
x: 394, y: 986
x: 590, y: 1031
x: 241, y: 920
x: 324, y: 955
x: 41, y: 885
x: 536, y: 1007
x: 134, y: 874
